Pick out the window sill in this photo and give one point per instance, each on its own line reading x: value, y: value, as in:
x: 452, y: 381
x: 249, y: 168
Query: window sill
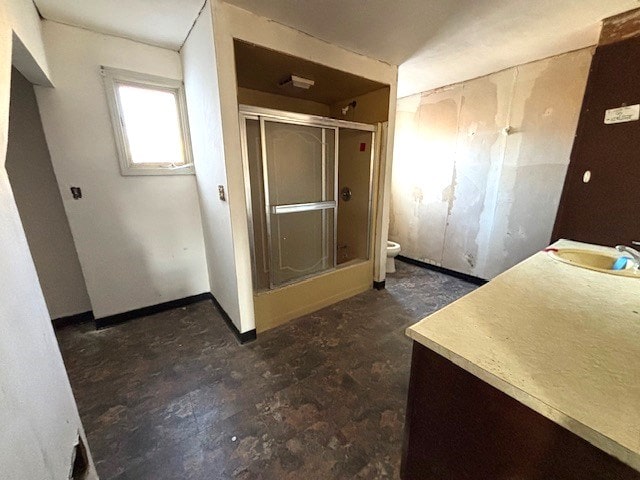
x: 135, y: 171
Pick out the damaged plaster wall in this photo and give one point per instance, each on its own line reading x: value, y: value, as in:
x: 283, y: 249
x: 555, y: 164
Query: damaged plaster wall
x: 467, y: 195
x: 620, y: 27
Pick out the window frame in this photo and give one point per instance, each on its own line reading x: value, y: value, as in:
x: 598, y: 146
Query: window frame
x: 114, y: 77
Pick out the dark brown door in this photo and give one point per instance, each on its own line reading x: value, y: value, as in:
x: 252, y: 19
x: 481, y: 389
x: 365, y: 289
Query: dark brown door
x: 606, y: 210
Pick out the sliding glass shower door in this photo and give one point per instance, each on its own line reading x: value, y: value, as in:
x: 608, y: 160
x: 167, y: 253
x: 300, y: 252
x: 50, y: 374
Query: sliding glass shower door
x: 299, y: 176
x: 299, y: 169
x: 291, y: 183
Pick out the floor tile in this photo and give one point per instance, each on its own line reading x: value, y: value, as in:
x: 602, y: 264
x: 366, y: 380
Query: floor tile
x: 174, y: 396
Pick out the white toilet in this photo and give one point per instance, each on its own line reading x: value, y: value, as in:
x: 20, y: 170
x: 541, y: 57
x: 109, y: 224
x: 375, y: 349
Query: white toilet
x: 393, y: 249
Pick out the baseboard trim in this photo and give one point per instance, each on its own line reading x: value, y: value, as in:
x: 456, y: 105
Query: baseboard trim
x: 112, y: 320
x: 62, y: 322
x: 379, y: 285
x: 243, y: 337
x: 446, y: 271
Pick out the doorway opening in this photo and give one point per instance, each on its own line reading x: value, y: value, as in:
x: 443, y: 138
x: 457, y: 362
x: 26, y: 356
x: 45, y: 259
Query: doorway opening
x: 40, y: 205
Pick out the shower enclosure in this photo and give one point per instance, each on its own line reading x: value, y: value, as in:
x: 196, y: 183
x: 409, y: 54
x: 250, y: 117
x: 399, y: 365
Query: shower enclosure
x: 292, y: 167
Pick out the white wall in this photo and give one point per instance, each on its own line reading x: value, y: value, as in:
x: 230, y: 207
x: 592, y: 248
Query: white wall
x: 468, y: 197
x: 139, y: 239
x: 203, y: 102
x: 36, y: 192
x: 231, y: 22
x: 39, y: 419
x: 28, y: 53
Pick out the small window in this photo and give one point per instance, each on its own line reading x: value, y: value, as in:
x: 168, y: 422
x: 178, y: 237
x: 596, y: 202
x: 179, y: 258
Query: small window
x: 149, y: 120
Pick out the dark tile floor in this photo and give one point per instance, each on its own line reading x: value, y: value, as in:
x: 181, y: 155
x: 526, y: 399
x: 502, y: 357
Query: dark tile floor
x: 173, y: 395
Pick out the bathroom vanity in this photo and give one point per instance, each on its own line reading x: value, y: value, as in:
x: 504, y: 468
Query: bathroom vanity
x: 535, y: 375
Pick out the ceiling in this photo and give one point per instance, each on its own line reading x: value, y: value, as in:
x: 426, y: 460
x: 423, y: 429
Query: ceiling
x: 164, y: 23
x: 331, y: 86
x: 439, y: 42
x: 435, y: 42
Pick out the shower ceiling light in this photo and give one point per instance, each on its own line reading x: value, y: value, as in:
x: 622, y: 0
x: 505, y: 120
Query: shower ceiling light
x: 298, y: 82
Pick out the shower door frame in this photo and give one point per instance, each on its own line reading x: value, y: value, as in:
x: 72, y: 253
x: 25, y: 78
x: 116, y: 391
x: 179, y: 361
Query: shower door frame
x: 247, y: 112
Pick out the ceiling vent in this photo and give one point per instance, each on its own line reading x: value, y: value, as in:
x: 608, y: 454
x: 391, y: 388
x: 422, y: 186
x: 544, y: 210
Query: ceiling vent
x: 297, y: 82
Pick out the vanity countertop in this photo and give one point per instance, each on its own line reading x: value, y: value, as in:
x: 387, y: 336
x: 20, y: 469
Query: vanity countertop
x: 563, y: 340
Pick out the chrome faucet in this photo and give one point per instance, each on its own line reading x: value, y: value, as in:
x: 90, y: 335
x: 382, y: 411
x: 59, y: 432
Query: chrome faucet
x: 632, y: 252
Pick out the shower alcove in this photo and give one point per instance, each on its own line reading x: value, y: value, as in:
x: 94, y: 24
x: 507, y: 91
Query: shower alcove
x: 309, y: 183
x: 315, y: 171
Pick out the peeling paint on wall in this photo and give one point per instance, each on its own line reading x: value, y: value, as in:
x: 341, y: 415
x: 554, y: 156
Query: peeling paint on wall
x: 424, y: 160
x: 620, y: 27
x: 480, y: 151
x: 466, y: 195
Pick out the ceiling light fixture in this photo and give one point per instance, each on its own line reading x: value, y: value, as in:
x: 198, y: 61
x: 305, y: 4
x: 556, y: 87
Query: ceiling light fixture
x: 297, y: 82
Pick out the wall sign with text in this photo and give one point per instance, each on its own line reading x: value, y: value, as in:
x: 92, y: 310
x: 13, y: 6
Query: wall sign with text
x: 622, y: 114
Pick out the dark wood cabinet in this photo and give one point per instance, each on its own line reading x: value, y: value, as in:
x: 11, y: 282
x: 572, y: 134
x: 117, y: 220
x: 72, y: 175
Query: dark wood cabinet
x: 459, y: 427
x: 605, y: 210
